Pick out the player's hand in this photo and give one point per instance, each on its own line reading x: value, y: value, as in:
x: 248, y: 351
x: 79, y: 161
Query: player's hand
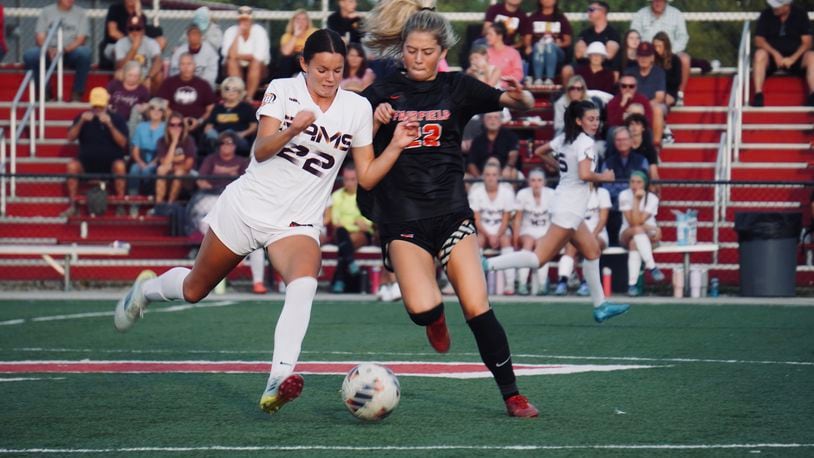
x: 87, y: 116
x: 104, y: 118
x: 405, y: 134
x: 639, y: 194
x: 384, y: 113
x: 302, y: 120
x: 778, y: 59
x: 786, y: 62
x: 513, y: 87
x: 607, y: 175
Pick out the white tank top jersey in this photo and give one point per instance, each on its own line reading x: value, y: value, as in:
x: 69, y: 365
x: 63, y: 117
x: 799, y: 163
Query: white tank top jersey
x: 650, y: 206
x: 491, y: 211
x: 572, y: 193
x: 599, y: 199
x: 292, y: 187
x: 536, y: 215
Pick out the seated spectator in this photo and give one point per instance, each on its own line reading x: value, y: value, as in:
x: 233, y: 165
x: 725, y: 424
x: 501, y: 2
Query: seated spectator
x: 651, y: 83
x: 75, y: 29
x: 596, y: 75
x: 129, y: 92
x: 136, y: 46
x: 102, y: 138
x: 596, y: 218
x: 629, y: 100
x: 641, y: 142
x: 782, y: 41
x: 532, y: 217
x: 116, y: 28
x: 551, y: 36
x: 628, y: 53
x: 506, y: 58
x: 176, y: 154
x: 204, y: 55
x: 480, y: 68
x: 671, y: 64
x: 351, y: 230
x: 576, y: 89
x: 516, y: 25
x: 210, y: 29
x: 346, y: 21
x: 188, y: 94
x: 3, y: 44
x: 298, y: 29
x: 356, y: 76
x: 246, y: 51
x: 495, y: 140
x: 144, y: 144
x: 623, y: 161
x: 600, y: 31
x: 639, y: 230
x: 232, y: 114
x: 660, y: 17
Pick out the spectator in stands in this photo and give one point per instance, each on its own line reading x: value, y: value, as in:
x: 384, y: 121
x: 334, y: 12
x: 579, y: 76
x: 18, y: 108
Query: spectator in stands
x: 628, y: 54
x: 176, y: 155
x: 211, y: 31
x: 652, y: 83
x: 639, y: 231
x: 480, y: 68
x: 660, y: 17
x: 506, y: 58
x: 75, y: 29
x: 597, y: 76
x: 188, y: 94
x: 144, y: 144
x: 494, y: 141
x: 576, y: 89
x: 346, y: 21
x: 351, y: 230
x: 671, y: 64
x: 641, y: 142
x: 630, y: 100
x: 232, y: 114
x: 298, y: 29
x: 532, y: 218
x: 551, y: 36
x: 356, y: 76
x: 246, y: 52
x: 102, y: 138
x: 598, y: 31
x: 623, y: 162
x: 516, y: 25
x: 783, y: 39
x: 493, y: 205
x: 116, y: 22
x: 129, y: 92
x: 142, y: 49
x: 3, y: 45
x: 204, y: 55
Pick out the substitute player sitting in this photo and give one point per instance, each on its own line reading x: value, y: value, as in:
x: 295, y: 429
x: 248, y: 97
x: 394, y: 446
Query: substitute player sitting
x: 532, y: 218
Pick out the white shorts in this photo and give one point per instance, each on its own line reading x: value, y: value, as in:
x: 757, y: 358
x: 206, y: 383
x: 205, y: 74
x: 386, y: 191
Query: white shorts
x: 228, y: 224
x: 604, y: 237
x: 568, y: 220
x: 534, y: 232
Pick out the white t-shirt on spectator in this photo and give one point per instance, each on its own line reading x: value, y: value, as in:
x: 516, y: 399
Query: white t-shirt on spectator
x: 491, y: 211
x: 650, y: 205
x: 257, y: 45
x: 147, y: 51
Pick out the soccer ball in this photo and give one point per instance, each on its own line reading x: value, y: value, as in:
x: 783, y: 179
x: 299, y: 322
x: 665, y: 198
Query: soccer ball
x: 371, y: 391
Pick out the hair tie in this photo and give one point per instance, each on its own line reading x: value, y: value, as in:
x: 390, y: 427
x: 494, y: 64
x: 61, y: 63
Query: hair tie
x: 427, y: 8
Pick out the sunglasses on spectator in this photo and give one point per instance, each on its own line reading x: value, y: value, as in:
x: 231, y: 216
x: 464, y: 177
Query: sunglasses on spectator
x: 576, y: 88
x: 591, y: 9
x: 627, y: 86
x: 135, y: 29
x: 176, y: 124
x: 226, y: 142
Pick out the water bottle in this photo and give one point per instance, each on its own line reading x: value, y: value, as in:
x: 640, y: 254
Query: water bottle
x: 713, y: 287
x: 695, y: 283
x: 640, y: 282
x: 678, y: 282
x: 491, y: 279
x: 375, y: 279
x: 363, y: 281
x: 607, y: 276
x: 704, y: 282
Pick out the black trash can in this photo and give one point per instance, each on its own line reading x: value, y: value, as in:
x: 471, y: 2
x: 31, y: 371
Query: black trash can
x: 767, y: 244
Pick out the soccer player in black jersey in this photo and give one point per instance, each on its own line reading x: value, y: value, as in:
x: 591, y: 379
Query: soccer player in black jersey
x: 421, y: 206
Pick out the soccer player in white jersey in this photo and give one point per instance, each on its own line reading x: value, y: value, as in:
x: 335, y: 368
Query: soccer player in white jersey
x: 532, y: 218
x: 596, y: 218
x: 639, y: 231
x: 493, y: 205
x: 307, y: 125
x: 575, y: 155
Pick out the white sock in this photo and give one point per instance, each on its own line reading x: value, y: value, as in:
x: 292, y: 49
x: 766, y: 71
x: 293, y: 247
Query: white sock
x: 634, y: 264
x: 292, y: 324
x: 513, y: 260
x: 523, y: 276
x: 169, y: 286
x: 590, y: 270
x: 257, y: 262
x: 565, y: 266
x: 508, y: 274
x: 645, y: 249
x: 542, y: 275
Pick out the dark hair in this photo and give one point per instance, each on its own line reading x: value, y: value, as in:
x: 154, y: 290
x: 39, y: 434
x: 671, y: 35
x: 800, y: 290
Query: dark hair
x: 362, y: 68
x: 604, y: 5
x: 227, y: 134
x: 500, y: 28
x: 323, y: 40
x: 665, y: 60
x: 557, y: 10
x: 623, y: 47
x: 576, y: 110
x: 636, y: 118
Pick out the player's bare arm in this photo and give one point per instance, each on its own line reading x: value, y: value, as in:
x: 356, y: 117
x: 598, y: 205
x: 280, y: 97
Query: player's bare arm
x: 371, y: 169
x: 270, y: 139
x: 515, y: 97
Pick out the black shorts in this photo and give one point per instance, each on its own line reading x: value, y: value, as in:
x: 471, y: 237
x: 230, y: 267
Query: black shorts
x: 429, y: 233
x: 795, y: 69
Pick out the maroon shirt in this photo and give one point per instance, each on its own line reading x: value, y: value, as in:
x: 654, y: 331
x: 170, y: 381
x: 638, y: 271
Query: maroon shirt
x: 555, y: 25
x: 190, y: 98
x: 600, y: 81
x: 616, y: 112
x: 186, y: 149
x: 122, y: 100
x: 215, y: 165
x: 517, y: 23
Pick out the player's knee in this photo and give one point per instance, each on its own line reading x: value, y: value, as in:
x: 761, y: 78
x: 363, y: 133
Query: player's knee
x: 761, y: 57
x: 193, y: 293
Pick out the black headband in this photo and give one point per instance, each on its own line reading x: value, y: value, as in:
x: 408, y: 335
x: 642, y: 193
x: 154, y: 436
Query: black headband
x: 428, y: 8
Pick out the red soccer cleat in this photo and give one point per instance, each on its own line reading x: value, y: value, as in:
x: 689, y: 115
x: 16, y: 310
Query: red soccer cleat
x: 438, y: 335
x: 519, y: 406
x: 259, y: 288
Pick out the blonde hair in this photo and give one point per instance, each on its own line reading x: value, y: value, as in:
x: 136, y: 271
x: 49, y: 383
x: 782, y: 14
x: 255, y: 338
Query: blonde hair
x: 391, y: 21
x: 289, y: 28
x: 234, y: 81
x: 574, y: 80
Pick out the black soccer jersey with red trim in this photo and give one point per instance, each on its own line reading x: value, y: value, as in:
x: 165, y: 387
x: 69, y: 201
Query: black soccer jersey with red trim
x: 427, y: 179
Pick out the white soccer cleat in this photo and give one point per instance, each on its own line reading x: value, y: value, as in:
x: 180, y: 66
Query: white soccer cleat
x: 131, y: 307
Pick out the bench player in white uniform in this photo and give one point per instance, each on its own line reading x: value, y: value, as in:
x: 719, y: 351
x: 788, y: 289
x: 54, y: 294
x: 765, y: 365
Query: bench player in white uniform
x: 532, y: 218
x: 639, y: 231
x: 576, y: 159
x: 307, y: 125
x: 596, y: 217
x: 493, y: 205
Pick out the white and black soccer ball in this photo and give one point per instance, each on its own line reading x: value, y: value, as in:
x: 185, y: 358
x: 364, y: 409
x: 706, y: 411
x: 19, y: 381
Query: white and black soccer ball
x: 371, y: 391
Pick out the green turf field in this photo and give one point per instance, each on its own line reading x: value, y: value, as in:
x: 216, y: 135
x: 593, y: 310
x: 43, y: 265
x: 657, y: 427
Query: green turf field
x: 725, y: 380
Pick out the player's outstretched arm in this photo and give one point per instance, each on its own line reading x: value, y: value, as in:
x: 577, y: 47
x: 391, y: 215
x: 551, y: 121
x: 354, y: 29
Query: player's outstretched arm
x: 515, y: 97
x: 586, y: 173
x: 270, y: 139
x: 371, y: 169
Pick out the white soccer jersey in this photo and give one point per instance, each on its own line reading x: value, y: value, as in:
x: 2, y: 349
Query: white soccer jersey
x: 491, y: 211
x: 599, y: 199
x: 293, y: 186
x: 649, y: 206
x: 572, y: 193
x: 536, y: 215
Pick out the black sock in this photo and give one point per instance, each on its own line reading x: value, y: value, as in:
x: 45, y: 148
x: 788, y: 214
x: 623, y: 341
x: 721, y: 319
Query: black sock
x: 494, y: 351
x: 429, y: 317
x: 563, y: 279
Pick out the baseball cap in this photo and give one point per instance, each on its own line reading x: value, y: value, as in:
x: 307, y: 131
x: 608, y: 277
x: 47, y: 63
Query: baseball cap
x: 99, y: 97
x: 778, y: 3
x: 645, y: 49
x: 597, y: 47
x: 244, y: 11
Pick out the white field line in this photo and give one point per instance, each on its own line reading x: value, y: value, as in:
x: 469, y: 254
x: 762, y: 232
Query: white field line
x: 75, y: 316
x: 29, y: 379
x: 374, y: 448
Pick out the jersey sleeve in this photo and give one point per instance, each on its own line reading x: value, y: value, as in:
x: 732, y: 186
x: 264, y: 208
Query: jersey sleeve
x: 478, y: 97
x: 363, y: 134
x: 586, y: 149
x: 474, y: 201
x: 507, y: 203
x: 625, y: 201
x: 273, y: 104
x: 652, y: 206
x: 604, y: 198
